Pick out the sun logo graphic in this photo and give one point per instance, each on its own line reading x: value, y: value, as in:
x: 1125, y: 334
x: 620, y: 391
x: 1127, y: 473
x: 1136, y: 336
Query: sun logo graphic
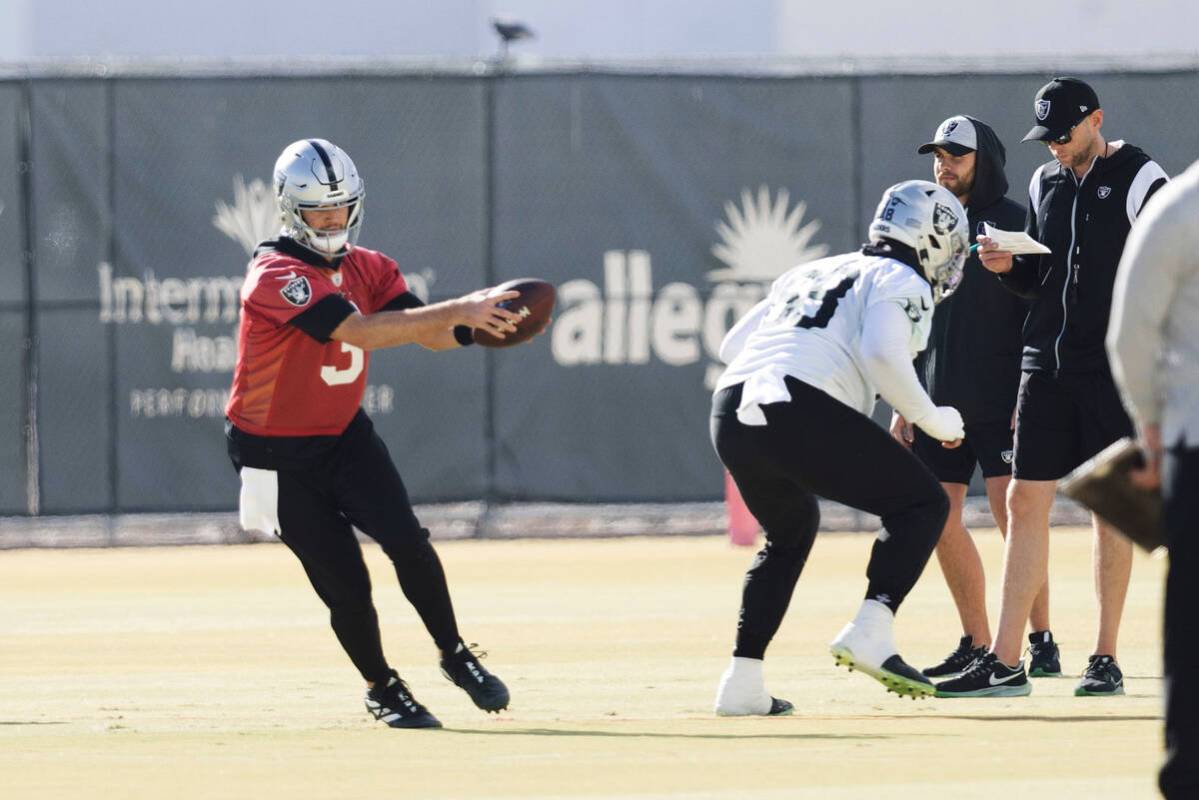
x: 764, y: 238
x: 252, y: 218
x: 628, y: 321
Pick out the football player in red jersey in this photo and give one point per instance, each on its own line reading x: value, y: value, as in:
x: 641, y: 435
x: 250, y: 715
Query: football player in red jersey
x: 313, y: 305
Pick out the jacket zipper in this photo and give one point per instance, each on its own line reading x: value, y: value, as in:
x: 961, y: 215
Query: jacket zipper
x: 1071, y: 264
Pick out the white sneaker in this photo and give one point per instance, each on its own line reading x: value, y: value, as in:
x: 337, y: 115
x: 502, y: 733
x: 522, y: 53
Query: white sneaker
x: 742, y: 692
x: 868, y: 644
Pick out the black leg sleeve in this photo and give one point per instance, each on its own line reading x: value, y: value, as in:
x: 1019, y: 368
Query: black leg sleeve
x: 789, y: 515
x: 332, y: 559
x: 1180, y: 774
x: 833, y: 451
x: 372, y: 495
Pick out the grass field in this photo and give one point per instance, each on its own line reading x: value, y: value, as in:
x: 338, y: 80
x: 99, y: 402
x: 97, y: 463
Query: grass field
x: 210, y: 672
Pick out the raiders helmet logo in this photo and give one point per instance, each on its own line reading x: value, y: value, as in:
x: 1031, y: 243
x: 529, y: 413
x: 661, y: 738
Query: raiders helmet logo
x: 949, y: 128
x: 1006, y: 455
x: 297, y: 291
x: 944, y: 220
x: 1042, y: 109
x: 1104, y: 191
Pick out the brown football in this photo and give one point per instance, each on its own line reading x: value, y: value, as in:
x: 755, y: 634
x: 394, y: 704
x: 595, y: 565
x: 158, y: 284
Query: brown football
x: 535, y: 305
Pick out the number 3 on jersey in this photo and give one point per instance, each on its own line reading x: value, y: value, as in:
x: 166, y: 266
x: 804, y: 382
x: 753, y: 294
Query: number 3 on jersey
x: 339, y: 377
x: 812, y: 299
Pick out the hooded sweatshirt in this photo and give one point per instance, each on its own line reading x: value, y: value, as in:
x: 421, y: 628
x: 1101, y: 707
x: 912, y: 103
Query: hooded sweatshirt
x: 973, y: 358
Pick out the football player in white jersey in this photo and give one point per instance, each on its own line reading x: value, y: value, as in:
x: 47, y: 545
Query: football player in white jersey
x: 791, y: 422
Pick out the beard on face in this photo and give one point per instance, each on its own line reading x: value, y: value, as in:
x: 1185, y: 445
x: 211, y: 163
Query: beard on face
x: 956, y: 185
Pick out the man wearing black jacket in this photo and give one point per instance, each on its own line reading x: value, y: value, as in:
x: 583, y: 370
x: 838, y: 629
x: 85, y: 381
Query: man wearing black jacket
x: 1081, y: 206
x: 973, y: 364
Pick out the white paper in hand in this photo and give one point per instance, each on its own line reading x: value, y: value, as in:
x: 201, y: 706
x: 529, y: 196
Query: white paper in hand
x: 1017, y: 243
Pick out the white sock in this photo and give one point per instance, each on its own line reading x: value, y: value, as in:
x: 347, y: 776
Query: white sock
x: 742, y: 689
x: 874, y: 613
x: 869, y: 636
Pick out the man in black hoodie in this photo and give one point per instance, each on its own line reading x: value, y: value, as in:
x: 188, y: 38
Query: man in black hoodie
x: 1081, y: 206
x: 973, y: 364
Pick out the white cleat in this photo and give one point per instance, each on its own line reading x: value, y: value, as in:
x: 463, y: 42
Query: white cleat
x: 867, y: 644
x: 742, y: 692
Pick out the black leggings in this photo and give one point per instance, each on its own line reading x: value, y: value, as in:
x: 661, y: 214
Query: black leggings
x: 360, y: 486
x: 815, y: 446
x: 1180, y: 491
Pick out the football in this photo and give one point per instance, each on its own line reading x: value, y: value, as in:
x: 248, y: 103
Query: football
x: 535, y: 305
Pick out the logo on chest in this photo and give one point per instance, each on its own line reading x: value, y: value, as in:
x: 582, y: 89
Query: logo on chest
x: 1104, y: 191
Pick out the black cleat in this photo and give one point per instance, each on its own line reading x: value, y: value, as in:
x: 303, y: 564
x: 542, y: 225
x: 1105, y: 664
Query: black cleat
x: 989, y: 677
x: 780, y: 708
x: 1044, y: 659
x: 1101, y: 678
x: 958, y: 661
x: 462, y: 668
x: 395, y: 705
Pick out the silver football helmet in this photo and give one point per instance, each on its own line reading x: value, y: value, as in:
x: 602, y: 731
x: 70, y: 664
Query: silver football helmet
x: 930, y: 220
x: 315, y: 174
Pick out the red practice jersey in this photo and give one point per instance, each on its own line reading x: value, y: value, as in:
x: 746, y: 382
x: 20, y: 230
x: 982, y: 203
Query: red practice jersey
x: 287, y: 383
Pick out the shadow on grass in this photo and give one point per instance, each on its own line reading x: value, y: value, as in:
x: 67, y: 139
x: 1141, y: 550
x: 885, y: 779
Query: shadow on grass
x: 1034, y: 717
x: 655, y: 735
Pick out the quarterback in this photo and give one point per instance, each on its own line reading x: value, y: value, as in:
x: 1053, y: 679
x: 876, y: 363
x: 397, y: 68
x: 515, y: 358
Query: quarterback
x: 312, y: 467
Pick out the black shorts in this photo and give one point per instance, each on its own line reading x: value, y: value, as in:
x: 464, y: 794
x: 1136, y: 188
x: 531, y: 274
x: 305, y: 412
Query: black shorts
x: 988, y: 444
x: 1064, y: 419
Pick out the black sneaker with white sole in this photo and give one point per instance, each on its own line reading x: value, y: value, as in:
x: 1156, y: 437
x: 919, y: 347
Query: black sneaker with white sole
x: 394, y: 704
x: 988, y: 677
x: 463, y: 669
x: 958, y: 661
x: 1044, y: 659
x: 1101, y: 678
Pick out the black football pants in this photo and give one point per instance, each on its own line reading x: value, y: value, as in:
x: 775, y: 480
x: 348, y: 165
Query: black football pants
x: 360, y: 486
x: 815, y: 446
x: 1180, y: 491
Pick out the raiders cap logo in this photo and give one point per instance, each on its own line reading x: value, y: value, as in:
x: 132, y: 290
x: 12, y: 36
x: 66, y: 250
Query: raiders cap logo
x: 1042, y: 109
x: 297, y: 291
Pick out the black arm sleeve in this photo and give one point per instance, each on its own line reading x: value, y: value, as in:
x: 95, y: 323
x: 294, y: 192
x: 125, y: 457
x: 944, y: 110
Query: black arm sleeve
x: 322, y: 319
x: 402, y: 302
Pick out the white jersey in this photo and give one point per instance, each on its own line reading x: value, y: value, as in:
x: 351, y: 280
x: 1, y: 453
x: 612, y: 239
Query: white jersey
x: 810, y: 327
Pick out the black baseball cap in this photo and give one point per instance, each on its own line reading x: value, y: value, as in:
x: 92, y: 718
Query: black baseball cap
x: 1059, y: 106
x: 955, y: 135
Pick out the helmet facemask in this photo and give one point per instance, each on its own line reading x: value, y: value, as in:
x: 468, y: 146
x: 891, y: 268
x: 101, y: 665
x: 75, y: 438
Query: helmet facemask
x: 328, y: 243
x: 942, y: 258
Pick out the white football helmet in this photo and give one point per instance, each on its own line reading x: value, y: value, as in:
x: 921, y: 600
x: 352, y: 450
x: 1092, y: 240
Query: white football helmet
x: 930, y: 220
x: 316, y: 174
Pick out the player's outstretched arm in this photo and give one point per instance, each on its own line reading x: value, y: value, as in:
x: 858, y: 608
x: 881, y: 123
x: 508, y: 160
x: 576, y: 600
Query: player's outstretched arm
x: 885, y: 334
x: 430, y: 325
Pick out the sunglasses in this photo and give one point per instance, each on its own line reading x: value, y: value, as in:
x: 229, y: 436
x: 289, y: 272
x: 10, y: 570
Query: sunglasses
x: 1068, y: 135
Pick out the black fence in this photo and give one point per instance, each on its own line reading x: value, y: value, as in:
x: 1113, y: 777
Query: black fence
x: 660, y: 204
